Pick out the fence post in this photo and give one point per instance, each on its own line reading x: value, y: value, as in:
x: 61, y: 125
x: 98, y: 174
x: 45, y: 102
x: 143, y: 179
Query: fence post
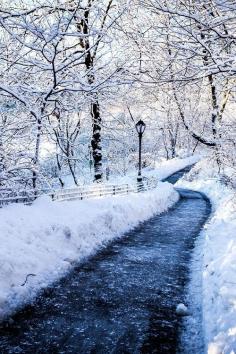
x: 140, y: 187
x: 114, y: 190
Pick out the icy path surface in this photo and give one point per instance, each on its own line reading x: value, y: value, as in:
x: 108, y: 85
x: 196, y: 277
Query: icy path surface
x: 122, y: 300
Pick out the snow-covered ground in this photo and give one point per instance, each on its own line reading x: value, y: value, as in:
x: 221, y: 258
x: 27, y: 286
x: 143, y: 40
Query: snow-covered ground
x: 162, y: 169
x: 167, y: 168
x: 47, y: 238
x: 40, y: 243
x: 216, y: 252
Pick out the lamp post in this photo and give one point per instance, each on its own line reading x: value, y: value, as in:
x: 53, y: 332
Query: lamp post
x: 140, y: 127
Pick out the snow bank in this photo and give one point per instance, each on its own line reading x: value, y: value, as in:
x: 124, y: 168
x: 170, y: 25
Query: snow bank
x: 161, y: 171
x: 167, y: 168
x: 48, y: 238
x: 219, y: 261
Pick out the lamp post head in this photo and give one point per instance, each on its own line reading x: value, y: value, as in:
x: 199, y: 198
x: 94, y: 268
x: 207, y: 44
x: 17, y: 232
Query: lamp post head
x: 140, y: 127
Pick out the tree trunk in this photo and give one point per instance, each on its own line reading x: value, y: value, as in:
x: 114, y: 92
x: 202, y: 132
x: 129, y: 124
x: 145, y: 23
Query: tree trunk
x: 83, y: 27
x: 96, y: 141
x: 36, y: 156
x: 59, y: 171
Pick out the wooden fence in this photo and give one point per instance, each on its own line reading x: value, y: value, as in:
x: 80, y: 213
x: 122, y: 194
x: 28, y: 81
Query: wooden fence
x: 78, y: 193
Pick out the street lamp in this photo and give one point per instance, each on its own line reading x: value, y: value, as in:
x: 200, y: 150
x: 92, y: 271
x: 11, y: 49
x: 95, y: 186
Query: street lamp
x: 140, y: 127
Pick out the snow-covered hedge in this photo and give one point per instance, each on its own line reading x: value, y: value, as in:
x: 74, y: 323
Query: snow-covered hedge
x: 218, y: 261
x: 47, y: 238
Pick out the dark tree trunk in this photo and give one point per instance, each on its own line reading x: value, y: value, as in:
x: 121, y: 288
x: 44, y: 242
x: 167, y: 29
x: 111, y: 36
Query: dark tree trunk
x: 96, y: 141
x: 59, y: 169
x: 36, y: 156
x: 83, y: 26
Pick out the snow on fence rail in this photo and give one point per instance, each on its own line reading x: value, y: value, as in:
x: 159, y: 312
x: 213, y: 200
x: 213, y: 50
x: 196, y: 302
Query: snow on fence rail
x: 78, y: 193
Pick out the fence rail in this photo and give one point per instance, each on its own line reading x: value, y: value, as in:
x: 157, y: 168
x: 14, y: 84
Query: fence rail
x: 78, y: 193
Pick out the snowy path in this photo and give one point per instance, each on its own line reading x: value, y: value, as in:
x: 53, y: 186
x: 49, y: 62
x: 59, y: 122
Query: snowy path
x: 123, y: 299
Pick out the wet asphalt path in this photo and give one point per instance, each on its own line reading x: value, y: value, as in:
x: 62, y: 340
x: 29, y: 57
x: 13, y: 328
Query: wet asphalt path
x: 123, y: 299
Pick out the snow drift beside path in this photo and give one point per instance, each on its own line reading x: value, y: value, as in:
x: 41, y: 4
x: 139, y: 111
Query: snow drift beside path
x: 219, y: 261
x: 47, y: 238
x: 167, y: 168
x: 161, y: 171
